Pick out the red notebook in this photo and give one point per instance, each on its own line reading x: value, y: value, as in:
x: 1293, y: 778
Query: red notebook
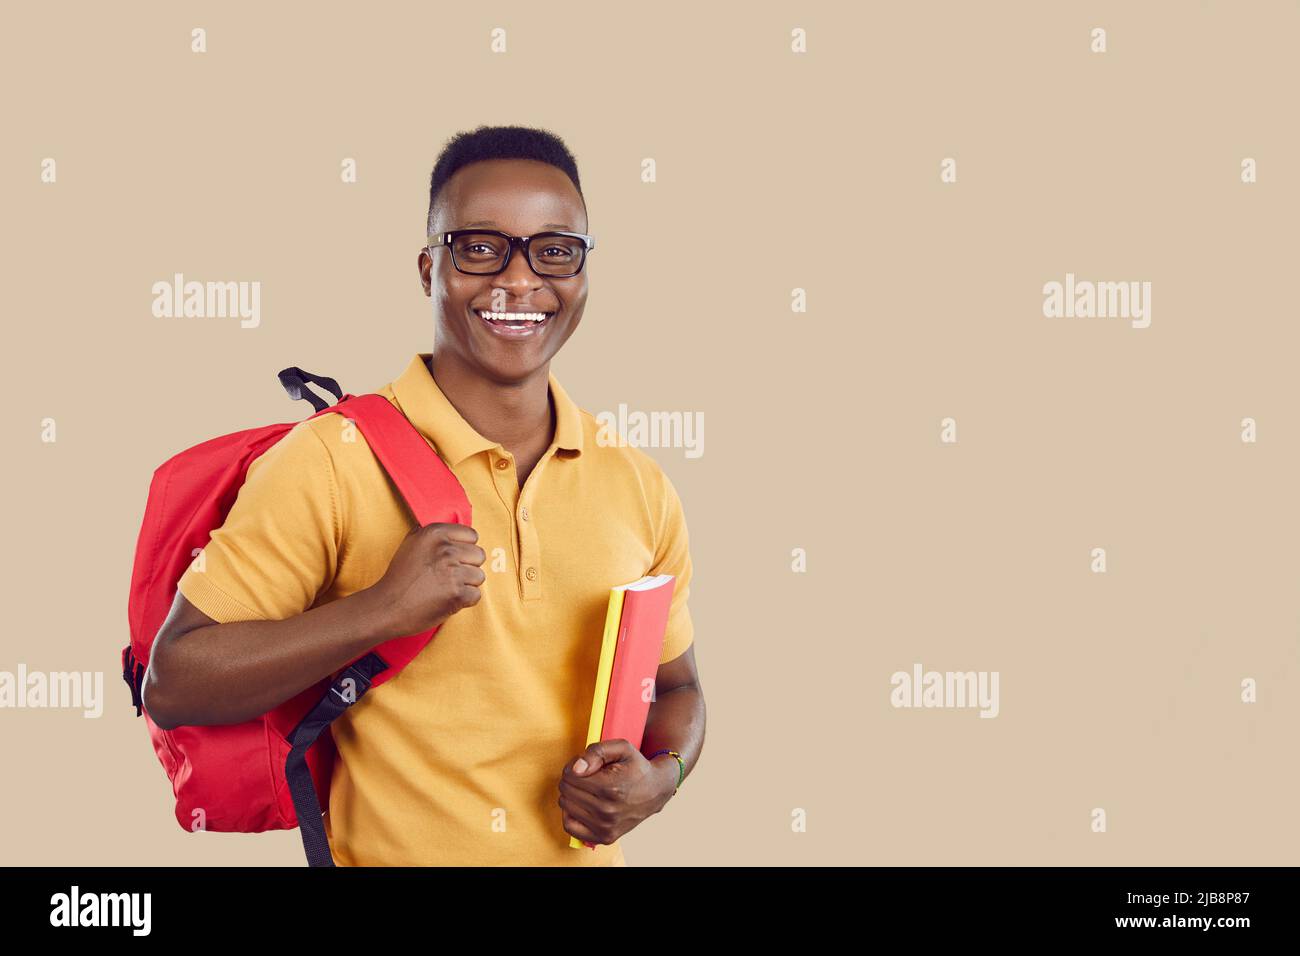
x: 641, y: 631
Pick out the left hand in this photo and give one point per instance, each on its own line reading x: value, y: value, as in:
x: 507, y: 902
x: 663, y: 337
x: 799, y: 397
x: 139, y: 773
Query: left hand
x: 616, y: 790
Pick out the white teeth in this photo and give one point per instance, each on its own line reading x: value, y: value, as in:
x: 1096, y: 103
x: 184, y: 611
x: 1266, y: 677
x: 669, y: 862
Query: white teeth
x: 513, y: 316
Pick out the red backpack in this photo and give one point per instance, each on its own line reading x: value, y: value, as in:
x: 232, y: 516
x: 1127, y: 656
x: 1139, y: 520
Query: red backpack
x: 273, y: 772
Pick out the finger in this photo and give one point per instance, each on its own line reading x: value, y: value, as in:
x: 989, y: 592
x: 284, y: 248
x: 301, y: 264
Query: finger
x: 468, y: 553
x: 594, y: 784
x: 456, y: 532
x: 580, y: 830
x: 601, y: 753
x: 598, y: 784
x: 469, y: 574
x: 584, y: 804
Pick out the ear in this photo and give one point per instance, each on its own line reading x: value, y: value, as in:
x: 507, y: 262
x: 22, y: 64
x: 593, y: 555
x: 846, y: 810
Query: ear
x: 424, y: 263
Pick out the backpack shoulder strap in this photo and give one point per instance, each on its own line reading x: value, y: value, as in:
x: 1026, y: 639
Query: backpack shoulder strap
x: 429, y: 488
x: 433, y: 494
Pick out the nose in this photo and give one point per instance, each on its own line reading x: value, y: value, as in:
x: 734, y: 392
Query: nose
x: 518, y: 273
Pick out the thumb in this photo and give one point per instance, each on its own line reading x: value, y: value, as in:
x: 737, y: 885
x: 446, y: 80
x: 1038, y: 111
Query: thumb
x: 600, y: 754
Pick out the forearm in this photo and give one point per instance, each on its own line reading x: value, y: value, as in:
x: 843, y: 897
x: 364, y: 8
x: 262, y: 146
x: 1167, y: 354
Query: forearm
x: 229, y: 673
x: 676, y: 722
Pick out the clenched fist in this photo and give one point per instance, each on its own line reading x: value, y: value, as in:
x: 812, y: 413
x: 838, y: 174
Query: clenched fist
x: 434, y: 573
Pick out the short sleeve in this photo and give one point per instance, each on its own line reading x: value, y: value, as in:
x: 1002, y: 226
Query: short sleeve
x: 673, y: 556
x: 279, y: 545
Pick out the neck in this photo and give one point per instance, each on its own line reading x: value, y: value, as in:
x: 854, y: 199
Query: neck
x: 512, y: 413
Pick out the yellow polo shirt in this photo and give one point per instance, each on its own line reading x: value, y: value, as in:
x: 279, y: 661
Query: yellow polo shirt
x: 457, y: 760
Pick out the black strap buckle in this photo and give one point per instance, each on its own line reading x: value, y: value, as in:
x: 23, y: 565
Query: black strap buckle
x: 133, y: 674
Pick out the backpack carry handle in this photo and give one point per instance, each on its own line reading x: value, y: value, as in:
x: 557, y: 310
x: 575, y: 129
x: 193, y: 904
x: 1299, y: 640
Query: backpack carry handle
x: 295, y: 382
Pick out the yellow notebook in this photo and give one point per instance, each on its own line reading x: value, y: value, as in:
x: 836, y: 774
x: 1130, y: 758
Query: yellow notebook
x: 608, y: 645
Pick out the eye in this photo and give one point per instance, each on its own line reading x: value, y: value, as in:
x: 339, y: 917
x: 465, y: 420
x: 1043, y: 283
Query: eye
x: 558, y: 251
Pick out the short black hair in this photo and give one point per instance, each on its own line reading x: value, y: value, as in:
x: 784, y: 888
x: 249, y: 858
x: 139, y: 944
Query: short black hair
x: 500, y: 142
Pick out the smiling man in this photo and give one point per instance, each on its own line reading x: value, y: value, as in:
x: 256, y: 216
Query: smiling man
x: 474, y: 754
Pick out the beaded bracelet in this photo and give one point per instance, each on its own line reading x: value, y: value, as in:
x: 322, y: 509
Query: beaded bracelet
x: 681, y: 767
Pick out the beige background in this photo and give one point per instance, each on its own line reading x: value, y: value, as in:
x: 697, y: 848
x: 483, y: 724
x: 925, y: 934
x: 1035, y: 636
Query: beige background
x: 775, y: 171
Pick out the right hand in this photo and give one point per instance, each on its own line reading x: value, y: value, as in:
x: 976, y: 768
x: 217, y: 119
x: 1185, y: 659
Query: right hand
x: 434, y: 573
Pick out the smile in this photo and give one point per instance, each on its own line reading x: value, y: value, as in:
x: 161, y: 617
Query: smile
x: 515, y: 325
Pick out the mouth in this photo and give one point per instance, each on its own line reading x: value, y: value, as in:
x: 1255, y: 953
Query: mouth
x: 515, y: 325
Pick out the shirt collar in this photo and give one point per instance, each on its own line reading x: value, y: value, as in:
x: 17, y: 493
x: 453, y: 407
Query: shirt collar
x: 430, y: 411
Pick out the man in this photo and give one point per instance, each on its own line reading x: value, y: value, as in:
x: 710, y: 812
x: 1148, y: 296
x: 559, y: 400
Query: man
x: 475, y: 754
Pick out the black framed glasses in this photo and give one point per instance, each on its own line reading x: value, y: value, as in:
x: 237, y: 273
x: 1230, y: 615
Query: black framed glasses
x: 487, y: 252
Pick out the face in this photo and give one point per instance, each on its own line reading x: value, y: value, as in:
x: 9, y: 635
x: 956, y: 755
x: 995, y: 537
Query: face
x: 518, y: 197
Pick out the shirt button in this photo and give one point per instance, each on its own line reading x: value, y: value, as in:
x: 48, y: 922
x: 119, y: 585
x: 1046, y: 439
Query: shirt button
x: 502, y: 463
x: 523, y: 513
x: 531, y: 574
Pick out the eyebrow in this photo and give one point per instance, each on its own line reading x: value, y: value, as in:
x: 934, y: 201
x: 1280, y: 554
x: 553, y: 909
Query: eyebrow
x: 492, y: 223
